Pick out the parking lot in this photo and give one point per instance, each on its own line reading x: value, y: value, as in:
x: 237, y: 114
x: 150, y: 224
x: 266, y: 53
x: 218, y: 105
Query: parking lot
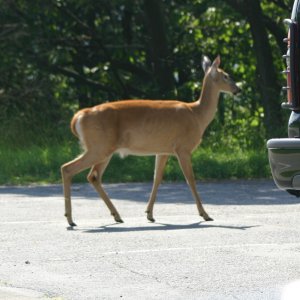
x: 250, y: 251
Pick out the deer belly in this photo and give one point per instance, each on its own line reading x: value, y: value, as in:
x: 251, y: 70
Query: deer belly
x: 144, y: 148
x: 145, y: 143
x: 123, y: 152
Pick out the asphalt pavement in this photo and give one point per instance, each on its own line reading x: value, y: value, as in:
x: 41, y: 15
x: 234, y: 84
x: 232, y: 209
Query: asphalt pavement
x: 250, y: 251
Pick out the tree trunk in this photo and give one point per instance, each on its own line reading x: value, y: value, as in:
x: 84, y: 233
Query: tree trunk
x: 159, y: 47
x: 267, y: 78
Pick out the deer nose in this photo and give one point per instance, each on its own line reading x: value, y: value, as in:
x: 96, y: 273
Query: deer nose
x: 237, y: 91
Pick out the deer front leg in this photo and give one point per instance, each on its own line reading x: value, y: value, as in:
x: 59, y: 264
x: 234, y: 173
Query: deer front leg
x: 160, y: 163
x: 95, y: 178
x: 186, y: 166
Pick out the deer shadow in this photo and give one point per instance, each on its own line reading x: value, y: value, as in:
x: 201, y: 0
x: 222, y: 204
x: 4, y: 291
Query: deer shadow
x: 116, y: 227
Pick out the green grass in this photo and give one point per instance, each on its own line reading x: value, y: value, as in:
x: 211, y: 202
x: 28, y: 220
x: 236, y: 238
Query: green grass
x: 41, y: 164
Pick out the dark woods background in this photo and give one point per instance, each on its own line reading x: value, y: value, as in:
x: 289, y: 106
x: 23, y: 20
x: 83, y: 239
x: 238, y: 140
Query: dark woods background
x: 60, y: 55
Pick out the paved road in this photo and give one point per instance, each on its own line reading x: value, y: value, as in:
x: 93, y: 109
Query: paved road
x: 250, y: 251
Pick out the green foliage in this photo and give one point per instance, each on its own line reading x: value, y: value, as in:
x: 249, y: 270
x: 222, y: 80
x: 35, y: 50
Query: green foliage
x: 61, y: 55
x: 41, y: 164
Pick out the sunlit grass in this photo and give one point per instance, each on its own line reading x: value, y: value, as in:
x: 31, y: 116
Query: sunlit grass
x: 41, y: 164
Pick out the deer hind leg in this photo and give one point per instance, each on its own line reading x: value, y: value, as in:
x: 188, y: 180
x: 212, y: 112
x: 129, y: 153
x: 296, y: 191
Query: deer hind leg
x: 186, y: 166
x: 70, y: 169
x: 160, y: 163
x: 95, y: 178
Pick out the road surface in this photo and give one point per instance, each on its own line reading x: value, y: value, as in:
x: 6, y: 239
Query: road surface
x: 250, y: 251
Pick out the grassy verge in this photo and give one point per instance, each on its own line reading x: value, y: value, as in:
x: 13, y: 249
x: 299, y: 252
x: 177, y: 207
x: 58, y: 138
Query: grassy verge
x: 41, y: 164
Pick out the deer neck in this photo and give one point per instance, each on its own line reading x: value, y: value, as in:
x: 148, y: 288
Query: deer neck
x: 207, y: 104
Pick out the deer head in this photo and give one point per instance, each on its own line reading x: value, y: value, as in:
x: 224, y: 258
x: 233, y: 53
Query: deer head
x: 218, y: 77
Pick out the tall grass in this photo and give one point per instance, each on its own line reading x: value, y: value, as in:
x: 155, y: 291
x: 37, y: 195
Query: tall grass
x: 40, y: 163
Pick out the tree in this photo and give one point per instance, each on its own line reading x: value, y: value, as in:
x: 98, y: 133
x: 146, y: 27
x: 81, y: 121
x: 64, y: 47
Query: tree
x: 59, y: 55
x: 267, y: 80
x: 159, y: 46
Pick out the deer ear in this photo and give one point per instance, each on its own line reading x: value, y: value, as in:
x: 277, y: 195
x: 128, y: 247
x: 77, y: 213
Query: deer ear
x: 206, y: 63
x: 217, y: 62
x: 215, y: 65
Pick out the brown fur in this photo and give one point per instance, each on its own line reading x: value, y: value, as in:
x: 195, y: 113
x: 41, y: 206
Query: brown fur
x: 145, y: 127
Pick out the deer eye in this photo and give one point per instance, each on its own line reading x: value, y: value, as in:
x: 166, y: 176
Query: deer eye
x: 226, y: 77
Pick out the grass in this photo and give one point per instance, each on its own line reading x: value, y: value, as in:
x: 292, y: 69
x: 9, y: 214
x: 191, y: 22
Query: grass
x: 41, y: 164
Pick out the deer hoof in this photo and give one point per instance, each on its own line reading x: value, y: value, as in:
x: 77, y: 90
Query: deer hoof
x: 72, y: 224
x: 118, y: 219
x: 150, y: 216
x: 151, y: 219
x: 206, y: 217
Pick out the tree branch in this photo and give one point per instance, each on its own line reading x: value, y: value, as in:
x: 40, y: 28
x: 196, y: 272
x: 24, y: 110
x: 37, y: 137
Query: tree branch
x: 79, y: 78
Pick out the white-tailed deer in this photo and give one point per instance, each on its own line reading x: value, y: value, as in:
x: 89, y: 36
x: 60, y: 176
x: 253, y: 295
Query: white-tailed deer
x: 145, y: 127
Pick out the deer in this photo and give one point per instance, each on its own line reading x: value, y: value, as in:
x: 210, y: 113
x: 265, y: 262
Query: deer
x: 145, y: 127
